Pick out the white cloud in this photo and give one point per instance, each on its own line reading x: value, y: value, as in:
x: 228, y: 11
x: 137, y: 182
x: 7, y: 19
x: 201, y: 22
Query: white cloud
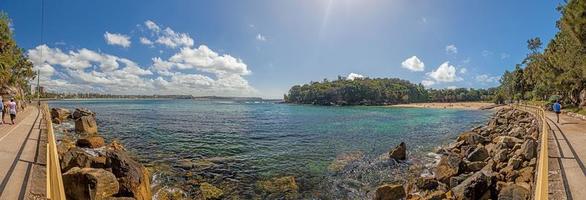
x: 353, y: 76
x: 444, y: 73
x: 260, y: 37
x: 152, y: 26
x: 463, y: 70
x: 146, y: 41
x: 167, y: 36
x: 484, y: 78
x: 486, y: 53
x: 204, y: 59
x: 427, y: 83
x: 451, y: 87
x: 117, y: 39
x: 413, y: 63
x: 505, y: 56
x: 451, y: 49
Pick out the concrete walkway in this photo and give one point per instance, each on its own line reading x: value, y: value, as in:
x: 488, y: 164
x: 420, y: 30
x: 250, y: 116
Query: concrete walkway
x: 567, y: 153
x: 19, y: 155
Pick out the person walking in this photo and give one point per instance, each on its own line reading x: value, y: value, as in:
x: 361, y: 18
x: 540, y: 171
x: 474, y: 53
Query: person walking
x: 557, y: 108
x: 12, y: 110
x: 1, y: 110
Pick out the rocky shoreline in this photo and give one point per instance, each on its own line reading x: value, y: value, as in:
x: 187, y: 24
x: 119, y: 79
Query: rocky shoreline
x: 494, y: 161
x: 92, y: 169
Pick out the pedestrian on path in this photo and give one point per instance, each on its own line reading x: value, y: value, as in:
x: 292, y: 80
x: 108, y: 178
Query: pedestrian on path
x: 12, y: 110
x: 557, y: 108
x: 2, y: 110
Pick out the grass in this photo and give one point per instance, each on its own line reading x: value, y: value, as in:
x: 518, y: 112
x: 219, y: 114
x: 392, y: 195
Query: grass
x: 581, y: 111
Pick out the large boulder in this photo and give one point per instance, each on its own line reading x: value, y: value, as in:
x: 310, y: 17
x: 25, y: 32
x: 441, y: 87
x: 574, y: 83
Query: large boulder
x: 399, y: 152
x: 89, y: 183
x: 474, y: 187
x: 86, y: 125
x: 448, y: 166
x: 90, y: 142
x: 279, y: 188
x: 389, y: 192
x: 80, y: 112
x: 529, y: 149
x: 426, y: 183
x: 507, y: 141
x: 132, y: 176
x: 209, y: 191
x: 513, y: 192
x: 60, y: 114
x: 471, y: 138
x: 77, y: 157
x: 479, y: 154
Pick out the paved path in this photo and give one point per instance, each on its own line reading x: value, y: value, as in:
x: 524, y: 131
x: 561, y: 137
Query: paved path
x: 19, y: 154
x: 567, y: 153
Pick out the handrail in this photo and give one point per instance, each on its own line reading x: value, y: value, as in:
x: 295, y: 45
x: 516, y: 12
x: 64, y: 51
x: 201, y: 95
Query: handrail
x: 54, y: 180
x: 541, y: 183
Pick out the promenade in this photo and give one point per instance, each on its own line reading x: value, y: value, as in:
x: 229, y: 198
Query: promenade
x: 567, y: 153
x: 22, y: 157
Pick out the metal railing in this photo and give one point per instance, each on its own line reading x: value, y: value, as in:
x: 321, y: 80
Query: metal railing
x: 54, y: 180
x: 541, y: 182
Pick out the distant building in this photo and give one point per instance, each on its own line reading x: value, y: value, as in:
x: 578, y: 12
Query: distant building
x: 41, y: 90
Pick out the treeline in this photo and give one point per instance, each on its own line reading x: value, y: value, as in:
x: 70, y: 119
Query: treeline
x: 16, y: 71
x: 378, y: 91
x: 559, y: 70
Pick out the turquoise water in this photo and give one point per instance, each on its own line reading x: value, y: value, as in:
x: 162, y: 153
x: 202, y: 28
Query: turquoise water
x: 251, y: 141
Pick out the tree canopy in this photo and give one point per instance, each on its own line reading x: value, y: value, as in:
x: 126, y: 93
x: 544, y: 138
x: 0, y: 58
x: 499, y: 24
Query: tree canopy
x: 559, y: 69
x: 378, y: 91
x: 15, y: 69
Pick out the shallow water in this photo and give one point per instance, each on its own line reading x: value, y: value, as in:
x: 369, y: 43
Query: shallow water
x: 250, y: 141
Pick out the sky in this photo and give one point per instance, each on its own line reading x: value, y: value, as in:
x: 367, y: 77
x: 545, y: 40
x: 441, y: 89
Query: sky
x: 263, y: 47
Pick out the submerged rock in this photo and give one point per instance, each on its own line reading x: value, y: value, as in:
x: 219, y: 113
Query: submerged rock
x: 344, y: 160
x: 209, y: 191
x: 89, y: 183
x: 279, y: 188
x: 399, y: 152
x: 390, y: 192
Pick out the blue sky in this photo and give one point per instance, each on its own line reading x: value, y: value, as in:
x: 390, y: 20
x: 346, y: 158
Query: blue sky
x: 261, y: 48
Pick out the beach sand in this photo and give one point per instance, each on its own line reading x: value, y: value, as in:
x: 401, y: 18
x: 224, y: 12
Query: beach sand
x: 453, y: 105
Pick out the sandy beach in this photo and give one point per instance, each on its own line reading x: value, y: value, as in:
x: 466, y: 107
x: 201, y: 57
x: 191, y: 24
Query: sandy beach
x: 453, y: 105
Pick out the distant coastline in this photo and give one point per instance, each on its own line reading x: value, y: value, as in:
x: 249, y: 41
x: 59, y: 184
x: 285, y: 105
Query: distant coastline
x: 449, y: 105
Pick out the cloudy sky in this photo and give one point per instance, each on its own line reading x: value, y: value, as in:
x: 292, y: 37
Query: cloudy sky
x: 261, y: 48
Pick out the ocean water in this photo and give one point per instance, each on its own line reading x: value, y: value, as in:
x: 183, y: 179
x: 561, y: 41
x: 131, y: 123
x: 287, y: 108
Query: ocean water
x: 246, y: 142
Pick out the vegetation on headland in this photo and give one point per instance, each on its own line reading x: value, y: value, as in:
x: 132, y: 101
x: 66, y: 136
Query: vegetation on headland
x: 379, y: 91
x: 16, y: 71
x: 559, y: 70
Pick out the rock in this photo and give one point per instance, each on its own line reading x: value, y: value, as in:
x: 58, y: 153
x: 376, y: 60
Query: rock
x: 525, y: 175
x: 507, y: 140
x: 185, y: 164
x: 60, y: 114
x: 471, y: 138
x: 501, y: 155
x: 479, y: 154
x: 456, y: 180
x: 115, y: 145
x: 344, y: 160
x: 436, y: 195
x: 280, y: 188
x: 529, y: 149
x: 132, y: 176
x: 426, y: 183
x: 399, y: 152
x: 514, y: 163
x: 389, y: 192
x: 90, y: 142
x: 210, y: 192
x: 513, y: 192
x: 583, y: 98
x: 86, y: 125
x: 474, y: 187
x: 77, y: 157
x: 80, y: 112
x: 89, y: 183
x: 447, y: 167
x: 64, y: 146
x: 475, y: 166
